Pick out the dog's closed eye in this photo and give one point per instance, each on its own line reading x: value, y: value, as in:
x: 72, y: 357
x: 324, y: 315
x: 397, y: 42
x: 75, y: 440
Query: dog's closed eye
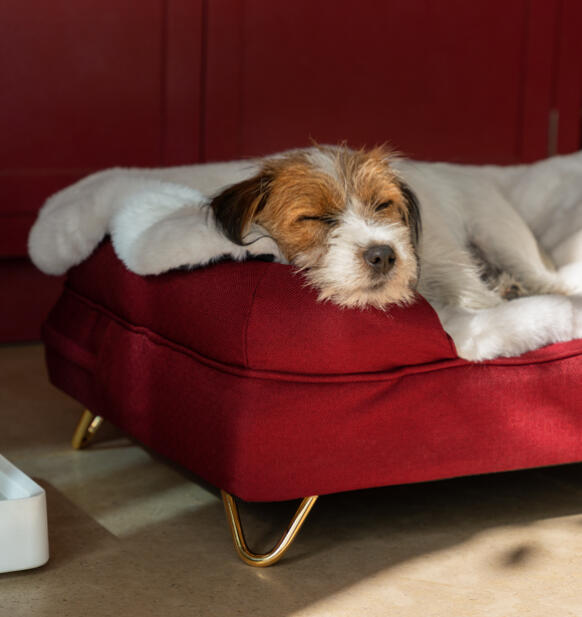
x: 325, y: 218
x: 384, y: 205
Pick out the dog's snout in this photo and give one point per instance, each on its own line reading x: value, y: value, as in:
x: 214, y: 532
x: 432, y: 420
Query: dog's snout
x: 380, y: 258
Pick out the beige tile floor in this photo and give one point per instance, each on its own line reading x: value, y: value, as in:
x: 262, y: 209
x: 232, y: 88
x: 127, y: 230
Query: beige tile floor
x: 132, y: 535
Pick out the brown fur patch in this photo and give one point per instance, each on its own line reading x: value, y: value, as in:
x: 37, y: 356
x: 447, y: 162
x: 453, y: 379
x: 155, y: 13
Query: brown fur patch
x: 299, y: 196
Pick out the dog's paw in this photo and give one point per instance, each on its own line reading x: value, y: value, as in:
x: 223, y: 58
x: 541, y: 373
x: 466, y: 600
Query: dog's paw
x: 571, y: 277
x: 513, y: 291
x: 514, y: 328
x: 510, y: 288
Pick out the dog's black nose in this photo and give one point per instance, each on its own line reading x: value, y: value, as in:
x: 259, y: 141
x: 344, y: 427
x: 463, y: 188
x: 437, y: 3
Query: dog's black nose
x: 380, y: 258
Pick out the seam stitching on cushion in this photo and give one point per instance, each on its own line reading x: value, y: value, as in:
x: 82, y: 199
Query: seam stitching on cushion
x: 301, y: 377
x: 154, y: 336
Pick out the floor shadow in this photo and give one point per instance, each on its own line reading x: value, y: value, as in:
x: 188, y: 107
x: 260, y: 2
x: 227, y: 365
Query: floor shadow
x: 185, y: 565
x: 352, y: 536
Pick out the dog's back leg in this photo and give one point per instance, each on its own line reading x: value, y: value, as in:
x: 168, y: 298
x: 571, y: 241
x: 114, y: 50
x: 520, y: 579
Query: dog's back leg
x: 509, y: 244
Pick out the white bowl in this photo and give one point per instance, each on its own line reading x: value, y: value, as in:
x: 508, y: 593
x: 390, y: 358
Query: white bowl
x: 23, y: 524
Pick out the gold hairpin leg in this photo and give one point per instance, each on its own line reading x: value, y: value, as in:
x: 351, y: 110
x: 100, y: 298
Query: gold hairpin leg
x: 86, y: 429
x: 266, y: 559
x: 84, y: 433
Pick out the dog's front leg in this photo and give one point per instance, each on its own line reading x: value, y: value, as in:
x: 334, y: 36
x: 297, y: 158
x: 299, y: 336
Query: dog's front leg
x: 512, y: 328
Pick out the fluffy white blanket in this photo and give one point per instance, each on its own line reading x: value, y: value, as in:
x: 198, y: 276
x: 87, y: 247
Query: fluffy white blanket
x: 159, y: 220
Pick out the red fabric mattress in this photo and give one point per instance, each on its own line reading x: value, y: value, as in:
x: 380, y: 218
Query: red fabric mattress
x: 236, y: 372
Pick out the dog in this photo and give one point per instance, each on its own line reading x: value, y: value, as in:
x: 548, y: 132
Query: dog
x: 368, y: 228
x: 352, y: 223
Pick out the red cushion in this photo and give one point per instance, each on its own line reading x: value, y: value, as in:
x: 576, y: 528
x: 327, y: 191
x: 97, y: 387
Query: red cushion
x: 238, y: 373
x: 229, y: 313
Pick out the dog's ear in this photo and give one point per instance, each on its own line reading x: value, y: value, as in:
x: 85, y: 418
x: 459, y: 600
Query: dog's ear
x: 237, y: 205
x: 414, y: 221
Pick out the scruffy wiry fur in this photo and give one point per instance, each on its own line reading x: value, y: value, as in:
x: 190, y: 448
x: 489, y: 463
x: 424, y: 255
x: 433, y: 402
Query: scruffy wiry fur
x: 473, y: 240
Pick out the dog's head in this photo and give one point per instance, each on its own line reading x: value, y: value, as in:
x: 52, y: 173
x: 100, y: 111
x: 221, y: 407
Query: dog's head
x: 343, y: 216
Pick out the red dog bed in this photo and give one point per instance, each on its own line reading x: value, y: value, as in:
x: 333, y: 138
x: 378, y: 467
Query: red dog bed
x: 236, y: 372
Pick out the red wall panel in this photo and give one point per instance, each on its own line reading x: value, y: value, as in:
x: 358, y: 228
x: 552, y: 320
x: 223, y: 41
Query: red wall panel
x: 85, y: 85
x: 568, y: 77
x: 92, y: 84
x: 27, y: 296
x: 537, y: 74
x: 182, y: 87
x: 440, y: 79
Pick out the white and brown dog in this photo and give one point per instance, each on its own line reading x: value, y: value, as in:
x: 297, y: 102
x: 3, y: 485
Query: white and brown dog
x: 497, y: 251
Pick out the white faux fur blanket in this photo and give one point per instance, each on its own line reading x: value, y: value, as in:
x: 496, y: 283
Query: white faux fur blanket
x: 155, y: 225
x: 159, y: 220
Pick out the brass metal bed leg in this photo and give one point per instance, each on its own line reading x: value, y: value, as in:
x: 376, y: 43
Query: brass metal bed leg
x: 88, y: 425
x: 86, y: 429
x: 266, y: 559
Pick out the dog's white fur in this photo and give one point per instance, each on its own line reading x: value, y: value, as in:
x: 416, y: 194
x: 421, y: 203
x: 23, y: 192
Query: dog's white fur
x: 158, y: 221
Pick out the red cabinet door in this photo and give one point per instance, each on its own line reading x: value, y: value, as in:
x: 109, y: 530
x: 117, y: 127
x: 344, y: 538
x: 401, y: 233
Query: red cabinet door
x: 92, y: 84
x: 85, y: 85
x: 439, y: 79
x: 567, y: 85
